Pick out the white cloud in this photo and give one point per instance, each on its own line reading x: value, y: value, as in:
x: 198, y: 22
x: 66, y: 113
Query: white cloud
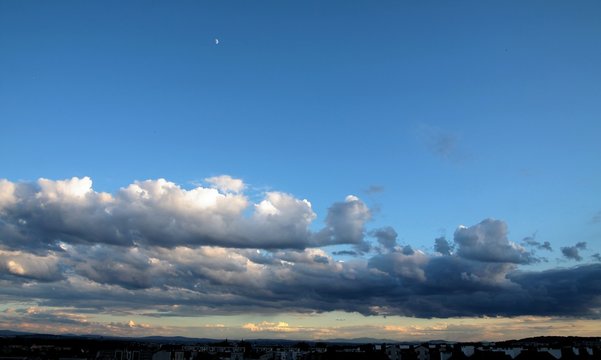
x: 161, y: 213
x: 73, y: 189
x: 226, y: 183
x: 266, y: 326
x: 15, y: 268
x: 7, y: 194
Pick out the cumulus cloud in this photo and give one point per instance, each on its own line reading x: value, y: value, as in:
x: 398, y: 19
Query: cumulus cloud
x: 442, y: 246
x: 573, y: 252
x: 386, y: 236
x: 161, y: 213
x: 345, y: 224
x: 7, y: 194
x: 157, y: 249
x: 487, y: 241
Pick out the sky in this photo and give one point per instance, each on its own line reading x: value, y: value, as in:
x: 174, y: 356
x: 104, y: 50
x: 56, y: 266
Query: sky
x: 301, y: 169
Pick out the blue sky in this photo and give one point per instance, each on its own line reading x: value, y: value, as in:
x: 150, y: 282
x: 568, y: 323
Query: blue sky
x: 451, y: 113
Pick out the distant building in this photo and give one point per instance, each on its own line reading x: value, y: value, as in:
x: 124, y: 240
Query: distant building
x: 393, y: 352
x: 422, y: 352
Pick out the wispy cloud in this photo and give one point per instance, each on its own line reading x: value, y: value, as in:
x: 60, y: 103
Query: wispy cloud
x: 443, y: 143
x: 596, y: 219
x: 374, y: 189
x: 531, y: 241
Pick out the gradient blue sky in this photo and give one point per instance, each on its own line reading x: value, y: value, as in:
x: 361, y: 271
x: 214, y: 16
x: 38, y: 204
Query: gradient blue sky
x: 435, y: 114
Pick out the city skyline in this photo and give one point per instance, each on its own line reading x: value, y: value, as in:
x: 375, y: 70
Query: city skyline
x: 301, y: 170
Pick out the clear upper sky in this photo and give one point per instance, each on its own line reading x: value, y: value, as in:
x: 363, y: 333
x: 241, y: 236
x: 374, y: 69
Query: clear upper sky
x: 433, y: 114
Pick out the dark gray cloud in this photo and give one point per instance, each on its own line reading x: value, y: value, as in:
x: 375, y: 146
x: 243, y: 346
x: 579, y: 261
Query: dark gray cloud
x: 211, y: 280
x: 386, y: 237
x: 570, y: 292
x: 442, y: 246
x: 345, y: 252
x: 573, y: 252
x: 532, y: 242
x: 407, y: 250
x: 321, y: 259
x: 596, y: 257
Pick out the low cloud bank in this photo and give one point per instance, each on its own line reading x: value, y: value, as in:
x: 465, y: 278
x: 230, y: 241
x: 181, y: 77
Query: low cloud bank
x: 157, y: 248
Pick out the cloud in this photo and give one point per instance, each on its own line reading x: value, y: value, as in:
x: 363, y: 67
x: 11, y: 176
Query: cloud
x: 386, y: 236
x: 407, y: 250
x: 531, y: 241
x: 444, y: 145
x: 442, y: 246
x: 441, y: 142
x: 489, y: 328
x: 345, y: 224
x: 212, y: 280
x: 596, y: 219
x: 487, y: 241
x: 321, y: 259
x: 573, y: 252
x: 43, y: 214
x: 156, y: 249
x: 30, y: 266
x: 7, y: 194
x: 374, y: 189
x: 131, y: 268
x: 226, y: 183
x: 63, y: 320
x: 346, y: 252
x: 60, y: 320
x: 545, y: 246
x: 266, y: 326
x: 578, y: 286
